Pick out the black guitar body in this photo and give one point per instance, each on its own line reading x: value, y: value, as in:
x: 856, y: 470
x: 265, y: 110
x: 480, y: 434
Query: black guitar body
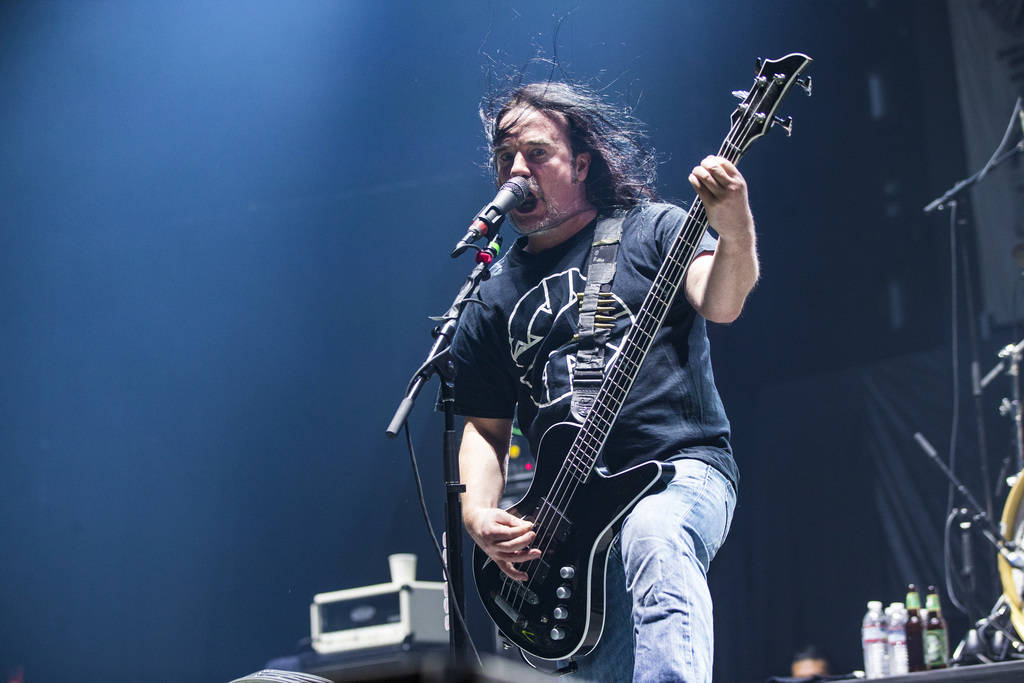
x: 559, y: 611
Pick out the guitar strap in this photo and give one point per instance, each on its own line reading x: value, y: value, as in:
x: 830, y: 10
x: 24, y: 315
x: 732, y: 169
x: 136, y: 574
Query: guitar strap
x: 595, y: 322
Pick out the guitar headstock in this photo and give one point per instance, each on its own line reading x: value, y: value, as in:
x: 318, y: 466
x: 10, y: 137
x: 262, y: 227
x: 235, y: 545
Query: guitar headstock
x: 756, y: 114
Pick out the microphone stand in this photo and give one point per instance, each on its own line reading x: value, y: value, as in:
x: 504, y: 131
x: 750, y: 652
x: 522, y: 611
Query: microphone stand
x: 1008, y: 549
x: 940, y: 203
x: 1013, y: 352
x: 439, y: 362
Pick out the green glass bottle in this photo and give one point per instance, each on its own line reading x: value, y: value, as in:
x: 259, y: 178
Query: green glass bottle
x: 936, y: 635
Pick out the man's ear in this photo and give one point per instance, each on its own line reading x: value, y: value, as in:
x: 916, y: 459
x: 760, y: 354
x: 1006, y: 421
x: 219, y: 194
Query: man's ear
x: 581, y: 166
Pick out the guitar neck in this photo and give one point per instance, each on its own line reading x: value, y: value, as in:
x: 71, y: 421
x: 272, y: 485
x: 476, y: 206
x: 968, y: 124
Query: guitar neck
x: 620, y: 377
x: 752, y: 118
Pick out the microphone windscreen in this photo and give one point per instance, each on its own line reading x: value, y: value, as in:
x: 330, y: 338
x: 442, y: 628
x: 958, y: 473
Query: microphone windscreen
x: 518, y: 186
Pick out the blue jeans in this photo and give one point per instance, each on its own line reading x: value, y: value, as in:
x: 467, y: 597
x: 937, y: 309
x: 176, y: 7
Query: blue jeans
x: 657, y: 582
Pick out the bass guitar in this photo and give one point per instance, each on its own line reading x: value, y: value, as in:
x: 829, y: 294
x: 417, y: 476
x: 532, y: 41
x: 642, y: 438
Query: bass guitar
x: 576, y: 508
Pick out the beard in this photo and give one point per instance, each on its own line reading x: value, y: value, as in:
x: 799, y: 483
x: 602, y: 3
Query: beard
x: 553, y: 216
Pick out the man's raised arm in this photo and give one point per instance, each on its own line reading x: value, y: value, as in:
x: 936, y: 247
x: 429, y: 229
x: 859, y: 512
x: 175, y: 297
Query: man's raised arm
x: 717, y: 284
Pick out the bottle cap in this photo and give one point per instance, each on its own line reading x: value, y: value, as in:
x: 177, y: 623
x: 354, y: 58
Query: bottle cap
x: 875, y: 604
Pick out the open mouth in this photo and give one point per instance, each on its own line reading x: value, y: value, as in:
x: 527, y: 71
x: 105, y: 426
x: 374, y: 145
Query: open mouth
x: 529, y: 205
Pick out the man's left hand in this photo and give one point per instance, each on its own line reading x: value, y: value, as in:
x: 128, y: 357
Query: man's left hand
x: 722, y: 188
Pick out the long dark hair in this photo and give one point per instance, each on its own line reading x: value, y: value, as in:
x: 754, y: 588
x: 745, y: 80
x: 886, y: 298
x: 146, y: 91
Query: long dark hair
x: 622, y: 169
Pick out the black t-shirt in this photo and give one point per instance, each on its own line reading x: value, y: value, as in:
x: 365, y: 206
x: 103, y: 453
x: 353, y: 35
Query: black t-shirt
x: 516, y: 355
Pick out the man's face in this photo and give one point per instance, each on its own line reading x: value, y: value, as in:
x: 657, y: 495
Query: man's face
x: 537, y: 148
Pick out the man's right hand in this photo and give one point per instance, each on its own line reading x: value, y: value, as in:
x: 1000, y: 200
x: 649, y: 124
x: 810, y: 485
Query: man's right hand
x: 504, y: 537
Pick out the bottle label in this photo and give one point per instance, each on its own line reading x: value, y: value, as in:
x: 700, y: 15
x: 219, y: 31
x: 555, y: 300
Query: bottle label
x: 935, y: 649
x: 873, y: 634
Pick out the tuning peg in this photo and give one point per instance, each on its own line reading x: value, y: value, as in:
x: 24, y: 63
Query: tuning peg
x: 757, y: 65
x: 805, y: 83
x: 785, y: 123
x: 740, y: 94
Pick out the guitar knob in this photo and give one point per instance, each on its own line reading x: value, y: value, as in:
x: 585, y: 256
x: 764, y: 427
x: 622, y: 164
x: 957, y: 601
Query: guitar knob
x: 561, y: 613
x: 563, y: 592
x: 567, y: 572
x: 557, y: 633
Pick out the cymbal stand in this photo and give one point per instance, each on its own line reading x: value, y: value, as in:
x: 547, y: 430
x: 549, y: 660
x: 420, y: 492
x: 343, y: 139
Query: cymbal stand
x: 1013, y: 352
x: 991, y: 639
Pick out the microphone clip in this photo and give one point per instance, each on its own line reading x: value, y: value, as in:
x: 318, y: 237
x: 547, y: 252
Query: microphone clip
x: 487, y: 255
x: 478, y: 229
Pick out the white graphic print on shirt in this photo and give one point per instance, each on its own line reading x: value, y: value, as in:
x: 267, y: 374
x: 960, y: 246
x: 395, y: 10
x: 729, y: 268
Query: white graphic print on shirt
x: 543, y: 323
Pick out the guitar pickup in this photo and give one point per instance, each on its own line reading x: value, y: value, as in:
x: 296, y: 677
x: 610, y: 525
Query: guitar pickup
x: 562, y: 525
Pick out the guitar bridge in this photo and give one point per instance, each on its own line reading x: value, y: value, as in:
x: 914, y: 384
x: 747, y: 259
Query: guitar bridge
x: 509, y: 611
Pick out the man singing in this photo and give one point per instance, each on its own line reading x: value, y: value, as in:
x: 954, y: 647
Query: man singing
x: 515, y: 356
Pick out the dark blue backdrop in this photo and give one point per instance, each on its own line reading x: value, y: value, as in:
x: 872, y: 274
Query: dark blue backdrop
x: 222, y: 229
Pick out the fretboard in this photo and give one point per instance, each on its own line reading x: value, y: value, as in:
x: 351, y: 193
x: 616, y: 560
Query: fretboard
x: 620, y: 376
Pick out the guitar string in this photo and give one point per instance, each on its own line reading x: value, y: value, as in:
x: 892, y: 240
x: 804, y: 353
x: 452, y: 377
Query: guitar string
x: 575, y: 466
x: 569, y: 478
x: 574, y: 471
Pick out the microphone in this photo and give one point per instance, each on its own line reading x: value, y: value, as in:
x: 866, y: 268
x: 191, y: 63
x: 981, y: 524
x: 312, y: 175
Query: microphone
x: 510, y: 195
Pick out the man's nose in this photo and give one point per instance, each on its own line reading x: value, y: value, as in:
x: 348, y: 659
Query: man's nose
x: 519, y: 167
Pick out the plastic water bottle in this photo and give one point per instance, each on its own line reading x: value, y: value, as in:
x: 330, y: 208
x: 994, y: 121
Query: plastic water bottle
x: 874, y: 638
x: 887, y: 665
x: 898, y: 662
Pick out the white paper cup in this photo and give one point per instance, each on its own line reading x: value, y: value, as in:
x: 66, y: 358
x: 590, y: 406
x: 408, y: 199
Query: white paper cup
x: 403, y: 568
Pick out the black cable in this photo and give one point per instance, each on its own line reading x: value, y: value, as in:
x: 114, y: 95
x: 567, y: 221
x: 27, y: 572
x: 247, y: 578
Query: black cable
x: 947, y: 556
x: 981, y: 450
x: 453, y: 604
x: 955, y: 422
x: 1010, y: 126
x: 1016, y: 290
x: 955, y: 339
